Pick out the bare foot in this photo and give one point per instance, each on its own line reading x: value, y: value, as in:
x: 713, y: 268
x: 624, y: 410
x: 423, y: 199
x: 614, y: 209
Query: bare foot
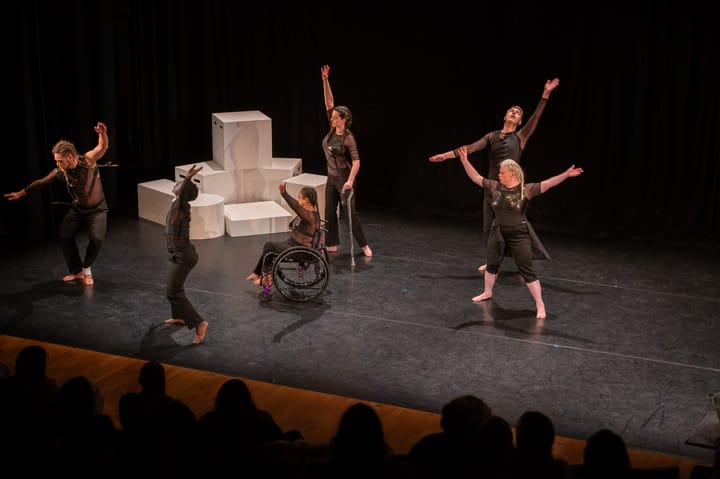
x: 200, y: 332
x: 73, y: 277
x: 256, y: 279
x: 331, y: 249
x: 367, y: 251
x: 179, y: 322
x: 482, y: 267
x: 541, y: 312
x: 481, y: 297
x: 88, y: 280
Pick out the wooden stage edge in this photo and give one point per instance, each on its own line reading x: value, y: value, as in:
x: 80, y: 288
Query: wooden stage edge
x: 314, y: 414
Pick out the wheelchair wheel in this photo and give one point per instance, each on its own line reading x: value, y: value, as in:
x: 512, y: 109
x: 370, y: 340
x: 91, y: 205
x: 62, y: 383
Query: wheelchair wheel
x: 300, y: 273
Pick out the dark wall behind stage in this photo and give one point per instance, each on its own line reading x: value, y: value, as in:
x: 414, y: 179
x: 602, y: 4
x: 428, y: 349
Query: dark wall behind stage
x: 638, y: 105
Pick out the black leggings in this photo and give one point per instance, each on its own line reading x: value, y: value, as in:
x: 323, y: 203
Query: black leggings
x: 333, y: 196
x: 181, y: 263
x: 515, y: 240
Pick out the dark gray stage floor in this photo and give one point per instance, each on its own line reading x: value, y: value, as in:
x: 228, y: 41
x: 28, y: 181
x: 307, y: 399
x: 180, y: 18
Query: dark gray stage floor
x: 631, y: 342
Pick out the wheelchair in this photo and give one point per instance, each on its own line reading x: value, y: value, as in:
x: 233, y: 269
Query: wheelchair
x: 300, y: 273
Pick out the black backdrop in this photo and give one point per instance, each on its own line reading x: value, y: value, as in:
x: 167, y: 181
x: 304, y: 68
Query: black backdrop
x: 638, y: 104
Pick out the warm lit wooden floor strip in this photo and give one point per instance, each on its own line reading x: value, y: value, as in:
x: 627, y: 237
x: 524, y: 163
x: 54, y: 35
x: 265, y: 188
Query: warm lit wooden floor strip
x: 312, y: 413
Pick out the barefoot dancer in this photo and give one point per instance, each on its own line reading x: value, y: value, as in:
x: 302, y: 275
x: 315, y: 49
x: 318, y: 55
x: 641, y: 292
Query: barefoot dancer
x: 183, y: 257
x: 511, y: 232
x: 343, y: 165
x: 81, y: 175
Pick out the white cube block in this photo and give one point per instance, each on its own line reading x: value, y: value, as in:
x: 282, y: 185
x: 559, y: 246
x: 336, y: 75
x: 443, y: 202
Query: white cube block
x: 296, y: 183
x: 260, y: 217
x: 261, y: 184
x: 211, y: 179
x: 154, y: 199
x: 242, y: 140
x: 293, y: 165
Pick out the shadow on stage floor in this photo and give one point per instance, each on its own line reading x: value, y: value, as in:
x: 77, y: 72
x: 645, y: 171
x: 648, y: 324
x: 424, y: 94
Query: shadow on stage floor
x: 630, y: 342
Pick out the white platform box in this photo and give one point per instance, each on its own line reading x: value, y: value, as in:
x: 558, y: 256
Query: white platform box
x: 154, y: 199
x: 211, y: 179
x: 255, y: 218
x: 242, y: 140
x: 261, y: 184
x: 207, y: 219
x: 296, y: 183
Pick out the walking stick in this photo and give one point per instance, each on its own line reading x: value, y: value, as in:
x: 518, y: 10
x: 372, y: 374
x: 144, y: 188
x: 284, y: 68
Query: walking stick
x: 348, y: 205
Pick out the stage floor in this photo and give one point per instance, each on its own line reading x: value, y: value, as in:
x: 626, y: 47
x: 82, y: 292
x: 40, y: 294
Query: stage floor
x: 631, y: 341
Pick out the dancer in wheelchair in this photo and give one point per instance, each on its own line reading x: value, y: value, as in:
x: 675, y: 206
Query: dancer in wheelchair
x: 303, y: 227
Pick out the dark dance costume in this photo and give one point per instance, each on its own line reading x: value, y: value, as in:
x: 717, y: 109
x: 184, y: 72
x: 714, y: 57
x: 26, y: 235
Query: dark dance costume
x: 88, y: 208
x: 502, y: 146
x: 183, y: 257
x: 303, y: 227
x: 340, y: 152
x: 511, y: 234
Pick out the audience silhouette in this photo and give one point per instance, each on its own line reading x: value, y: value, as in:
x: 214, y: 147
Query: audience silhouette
x: 605, y: 456
x: 28, y: 399
x: 497, y: 448
x: 534, y: 440
x: 156, y: 425
x: 454, y: 452
x: 86, y: 437
x: 237, y: 430
x: 358, y: 448
x: 54, y: 429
